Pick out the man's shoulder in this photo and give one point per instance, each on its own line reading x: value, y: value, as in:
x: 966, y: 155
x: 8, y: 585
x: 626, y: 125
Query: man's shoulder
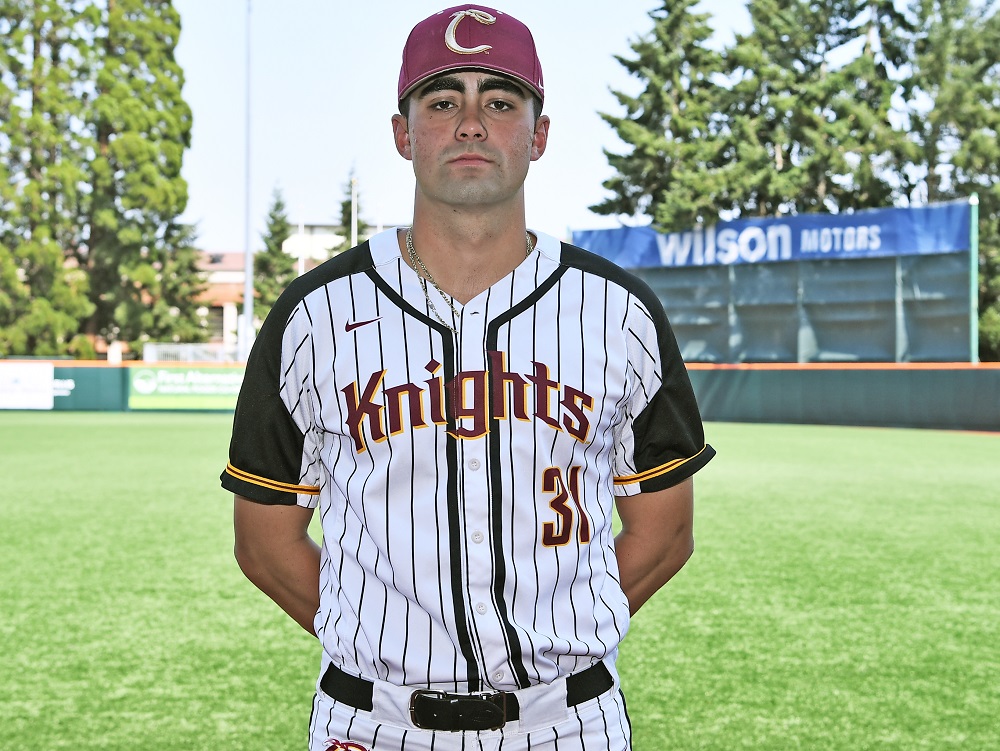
x: 357, y: 260
x: 589, y: 262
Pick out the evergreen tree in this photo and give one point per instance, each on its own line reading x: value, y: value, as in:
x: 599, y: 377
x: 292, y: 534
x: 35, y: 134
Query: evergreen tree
x: 167, y: 275
x: 92, y: 133
x: 273, y: 268
x: 347, y: 208
x: 42, y: 60
x: 809, y: 134
x: 136, y: 253
x: 861, y: 103
x: 673, y: 171
x: 784, y: 130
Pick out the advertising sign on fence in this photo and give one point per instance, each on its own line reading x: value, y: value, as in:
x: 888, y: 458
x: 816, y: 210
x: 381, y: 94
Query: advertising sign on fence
x: 874, y: 233
x: 26, y: 385
x: 181, y: 387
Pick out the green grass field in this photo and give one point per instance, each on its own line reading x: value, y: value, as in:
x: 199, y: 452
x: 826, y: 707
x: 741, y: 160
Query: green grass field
x: 845, y: 594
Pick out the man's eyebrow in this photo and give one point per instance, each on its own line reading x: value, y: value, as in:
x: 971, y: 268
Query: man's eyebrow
x: 490, y: 83
x: 494, y: 83
x: 442, y: 83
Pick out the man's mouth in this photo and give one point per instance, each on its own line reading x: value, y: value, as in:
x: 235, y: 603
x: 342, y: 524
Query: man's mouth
x: 470, y: 158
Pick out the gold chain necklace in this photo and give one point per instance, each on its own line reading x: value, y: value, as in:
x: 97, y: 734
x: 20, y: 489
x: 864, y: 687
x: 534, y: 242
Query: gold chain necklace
x: 425, y: 276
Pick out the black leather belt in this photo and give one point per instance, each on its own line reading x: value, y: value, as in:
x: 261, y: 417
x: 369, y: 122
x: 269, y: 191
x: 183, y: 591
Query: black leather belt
x: 438, y: 710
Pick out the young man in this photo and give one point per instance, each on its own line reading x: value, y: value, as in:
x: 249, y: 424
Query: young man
x: 465, y: 402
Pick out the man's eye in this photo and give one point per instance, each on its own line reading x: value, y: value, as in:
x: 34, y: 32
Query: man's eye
x: 500, y: 106
x: 442, y: 105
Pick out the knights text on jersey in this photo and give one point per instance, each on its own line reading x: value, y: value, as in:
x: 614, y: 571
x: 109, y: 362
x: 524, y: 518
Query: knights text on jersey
x: 465, y: 481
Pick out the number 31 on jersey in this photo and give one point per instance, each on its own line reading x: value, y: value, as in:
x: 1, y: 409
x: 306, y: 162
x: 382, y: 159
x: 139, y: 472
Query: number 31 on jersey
x: 559, y: 532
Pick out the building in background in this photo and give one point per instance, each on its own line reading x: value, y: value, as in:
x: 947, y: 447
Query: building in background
x: 314, y: 243
x: 221, y: 299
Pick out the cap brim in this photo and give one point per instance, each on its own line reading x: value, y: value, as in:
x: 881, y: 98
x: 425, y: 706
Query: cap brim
x: 532, y: 89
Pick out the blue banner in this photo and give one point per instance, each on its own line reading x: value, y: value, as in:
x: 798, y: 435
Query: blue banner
x: 872, y: 233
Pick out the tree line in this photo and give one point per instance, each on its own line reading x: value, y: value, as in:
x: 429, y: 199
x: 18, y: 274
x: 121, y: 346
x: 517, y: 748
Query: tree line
x: 832, y: 106
x: 93, y: 131
x: 825, y: 106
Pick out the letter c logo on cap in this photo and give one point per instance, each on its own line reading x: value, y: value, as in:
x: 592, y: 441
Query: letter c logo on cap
x: 449, y: 35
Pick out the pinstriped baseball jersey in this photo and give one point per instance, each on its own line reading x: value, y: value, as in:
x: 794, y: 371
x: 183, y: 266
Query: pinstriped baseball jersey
x: 465, y: 480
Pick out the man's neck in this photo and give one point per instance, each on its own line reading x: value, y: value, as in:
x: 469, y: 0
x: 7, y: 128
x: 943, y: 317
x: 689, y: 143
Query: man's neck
x: 467, y: 253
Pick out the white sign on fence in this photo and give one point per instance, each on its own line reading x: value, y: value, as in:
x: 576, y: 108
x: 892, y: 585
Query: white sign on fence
x: 27, y: 385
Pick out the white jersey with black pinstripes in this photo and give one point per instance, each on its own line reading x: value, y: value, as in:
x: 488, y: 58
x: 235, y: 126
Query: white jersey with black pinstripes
x: 466, y: 481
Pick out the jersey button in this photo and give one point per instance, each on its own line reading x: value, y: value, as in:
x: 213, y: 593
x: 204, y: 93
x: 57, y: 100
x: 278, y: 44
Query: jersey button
x: 474, y: 464
x: 481, y: 609
x: 477, y: 537
x: 498, y: 676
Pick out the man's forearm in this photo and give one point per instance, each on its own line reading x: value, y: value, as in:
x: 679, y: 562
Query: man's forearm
x: 276, y: 553
x: 643, y: 570
x: 291, y: 581
x: 656, y: 540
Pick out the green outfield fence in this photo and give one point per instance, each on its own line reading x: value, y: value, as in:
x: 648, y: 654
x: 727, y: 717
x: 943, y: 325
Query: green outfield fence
x: 954, y: 396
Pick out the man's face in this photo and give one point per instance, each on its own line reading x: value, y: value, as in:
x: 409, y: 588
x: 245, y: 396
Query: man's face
x: 471, y: 136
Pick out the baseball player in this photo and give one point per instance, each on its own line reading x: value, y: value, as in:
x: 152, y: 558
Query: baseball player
x: 466, y: 401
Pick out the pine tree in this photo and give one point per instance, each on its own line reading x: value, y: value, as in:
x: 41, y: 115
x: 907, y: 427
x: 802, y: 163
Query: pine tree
x: 170, y: 283
x: 135, y: 252
x: 808, y: 134
x: 783, y: 130
x: 861, y: 96
x: 273, y: 269
x: 674, y: 169
x: 346, y: 213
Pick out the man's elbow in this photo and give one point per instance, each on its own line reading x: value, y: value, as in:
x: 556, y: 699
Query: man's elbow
x: 244, y: 556
x: 688, y: 550
x: 680, y: 553
x: 249, y: 557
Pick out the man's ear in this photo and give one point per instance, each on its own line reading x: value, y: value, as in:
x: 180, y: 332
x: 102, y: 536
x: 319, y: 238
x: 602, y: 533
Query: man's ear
x: 401, y: 135
x: 540, y: 138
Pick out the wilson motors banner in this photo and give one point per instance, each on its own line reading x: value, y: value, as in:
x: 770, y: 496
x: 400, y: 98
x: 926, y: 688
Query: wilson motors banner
x: 873, y: 233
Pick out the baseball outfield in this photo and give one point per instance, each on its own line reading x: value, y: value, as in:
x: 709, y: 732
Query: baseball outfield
x: 845, y: 594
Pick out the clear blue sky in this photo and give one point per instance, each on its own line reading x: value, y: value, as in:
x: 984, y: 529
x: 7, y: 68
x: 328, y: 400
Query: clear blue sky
x: 322, y: 91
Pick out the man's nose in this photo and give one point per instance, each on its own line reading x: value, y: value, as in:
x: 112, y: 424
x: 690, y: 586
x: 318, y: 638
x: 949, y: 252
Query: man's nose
x: 471, y: 127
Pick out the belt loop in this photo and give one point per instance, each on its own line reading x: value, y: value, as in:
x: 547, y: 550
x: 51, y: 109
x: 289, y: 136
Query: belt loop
x: 588, y: 684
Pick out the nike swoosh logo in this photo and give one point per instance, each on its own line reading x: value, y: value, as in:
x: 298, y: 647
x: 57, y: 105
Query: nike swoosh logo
x: 359, y: 324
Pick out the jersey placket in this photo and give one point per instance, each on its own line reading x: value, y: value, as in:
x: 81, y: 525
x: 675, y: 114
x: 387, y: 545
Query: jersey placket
x: 481, y: 557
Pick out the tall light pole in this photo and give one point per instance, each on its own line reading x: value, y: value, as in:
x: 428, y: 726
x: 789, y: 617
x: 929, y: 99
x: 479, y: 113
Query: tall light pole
x: 247, y: 330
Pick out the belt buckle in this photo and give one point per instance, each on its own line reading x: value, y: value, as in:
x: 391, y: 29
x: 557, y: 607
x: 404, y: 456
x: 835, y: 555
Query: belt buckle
x: 470, y: 707
x: 426, y: 693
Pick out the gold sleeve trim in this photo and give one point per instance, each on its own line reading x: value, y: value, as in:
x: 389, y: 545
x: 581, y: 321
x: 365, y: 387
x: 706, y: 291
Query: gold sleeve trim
x: 663, y: 469
x: 284, y: 487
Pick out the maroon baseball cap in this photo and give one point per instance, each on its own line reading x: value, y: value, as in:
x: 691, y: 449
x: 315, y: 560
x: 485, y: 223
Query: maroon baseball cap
x: 470, y: 37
